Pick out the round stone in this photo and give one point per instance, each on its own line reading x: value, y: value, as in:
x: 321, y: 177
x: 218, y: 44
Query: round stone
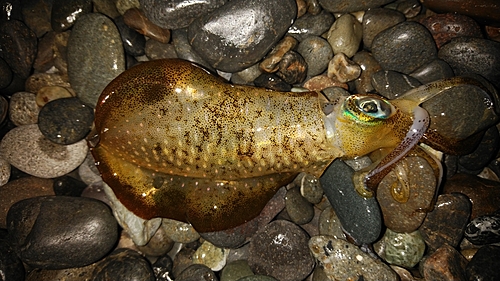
x: 403, y: 249
x: 65, y: 121
x: 316, y: 52
x: 123, y: 264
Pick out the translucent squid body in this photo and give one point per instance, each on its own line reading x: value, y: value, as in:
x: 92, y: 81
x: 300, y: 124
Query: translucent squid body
x: 176, y: 142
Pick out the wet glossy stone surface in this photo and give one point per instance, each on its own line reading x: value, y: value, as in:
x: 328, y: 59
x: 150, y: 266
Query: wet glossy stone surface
x: 445, y: 263
x: 65, y: 13
x: 485, y: 263
x: 123, y: 264
x: 61, y: 232
x: 339, y: 6
x: 377, y: 20
x: 484, y: 229
x: 403, y: 249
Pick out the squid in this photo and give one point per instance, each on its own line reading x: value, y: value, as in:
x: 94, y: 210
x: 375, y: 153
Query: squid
x: 175, y: 141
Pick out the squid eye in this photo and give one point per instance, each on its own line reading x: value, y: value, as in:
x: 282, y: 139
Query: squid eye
x: 376, y: 108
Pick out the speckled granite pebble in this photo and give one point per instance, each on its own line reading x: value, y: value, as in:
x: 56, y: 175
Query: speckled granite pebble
x: 344, y: 261
x: 123, y: 264
x: 280, y: 250
x: 57, y: 232
x: 23, y: 109
x: 404, y: 47
x: 95, y: 56
x: 65, y: 121
x: 28, y: 150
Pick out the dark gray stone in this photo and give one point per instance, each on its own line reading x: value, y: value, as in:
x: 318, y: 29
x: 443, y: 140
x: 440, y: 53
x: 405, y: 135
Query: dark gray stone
x: 484, y: 265
x: 18, y: 47
x: 341, y: 6
x: 240, y: 33
x: 311, y: 25
x: 484, y: 153
x: 360, y: 217
x: 134, y: 43
x: 184, y: 50
x: 484, y: 229
x: 404, y: 47
x: 197, y: 272
x: 392, y: 84
x: 65, y: 121
x: 473, y: 55
x: 95, y: 56
x: 56, y: 232
x: 175, y: 14
x: 11, y: 267
x: 377, y: 20
x: 432, y: 71
x: 317, y: 52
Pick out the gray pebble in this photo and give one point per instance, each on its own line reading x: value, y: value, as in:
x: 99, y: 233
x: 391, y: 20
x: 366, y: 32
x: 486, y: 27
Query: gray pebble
x: 95, y: 56
x: 311, y: 25
x: 235, y: 270
x: 297, y: 207
x: 57, y: 232
x: 377, y: 20
x: 404, y: 47
x: 392, y: 84
x: 432, y: 71
x: 341, y: 6
x: 317, y: 52
x: 241, y: 32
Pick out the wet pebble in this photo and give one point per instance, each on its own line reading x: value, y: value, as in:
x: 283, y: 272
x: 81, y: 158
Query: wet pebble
x: 28, y: 150
x: 446, y: 223
x: 484, y: 265
x: 444, y: 27
x: 197, y: 272
x: 484, y: 153
x: 179, y: 232
x: 484, y: 194
x: 342, y: 260
x: 402, y: 249
x: 272, y: 81
x: 484, y: 11
x: 339, y: 6
x: 297, y: 207
x: 235, y: 270
x: 18, y: 47
x: 292, y: 68
x: 310, y: 188
x: 156, y: 50
x: 273, y: 59
x: 404, y: 47
x: 258, y: 278
x: 88, y: 172
x: 219, y: 38
x: 133, y: 42
x: 377, y: 20
x: 321, y: 82
x: 65, y: 13
x: 316, y: 52
x: 179, y: 13
x: 68, y: 274
x: 344, y: 69
x: 349, y: 206
x: 370, y: 66
x: 136, y: 20
x: 124, y: 5
x: 247, y: 75
x: 57, y: 232
x: 345, y: 35
x: 445, y: 263
x: 162, y: 268
x: 432, y: 71
x: 95, y: 56
x: 65, y: 121
x: 311, y: 25
x: 473, y: 55
x: 184, y: 49
x: 211, y: 256
x: 280, y: 250
x: 123, y: 264
x: 392, y: 84
x: 23, y: 109
x: 20, y: 189
x: 484, y: 229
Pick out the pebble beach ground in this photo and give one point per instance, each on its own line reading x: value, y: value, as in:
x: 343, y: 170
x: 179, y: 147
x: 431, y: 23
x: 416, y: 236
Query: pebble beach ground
x: 59, y: 221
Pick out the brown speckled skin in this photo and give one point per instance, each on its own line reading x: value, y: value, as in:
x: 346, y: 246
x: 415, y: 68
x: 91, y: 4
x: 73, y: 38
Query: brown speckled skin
x: 178, y: 143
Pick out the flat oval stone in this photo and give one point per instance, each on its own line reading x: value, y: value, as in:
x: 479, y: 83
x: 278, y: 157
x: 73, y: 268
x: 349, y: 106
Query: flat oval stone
x: 123, y: 264
x: 349, y: 206
x: 65, y: 121
x: 404, y: 47
x: 240, y: 33
x: 342, y: 260
x: 432, y: 71
x: 65, y: 13
x: 95, y: 56
x: 473, y: 55
x: 178, y: 13
x: 57, y: 232
x: 28, y: 150
x: 407, y: 216
x: 50, y: 93
x: 297, y: 207
x: 340, y: 6
x: 311, y: 25
x: 280, y: 250
x: 447, y: 222
x: 235, y: 270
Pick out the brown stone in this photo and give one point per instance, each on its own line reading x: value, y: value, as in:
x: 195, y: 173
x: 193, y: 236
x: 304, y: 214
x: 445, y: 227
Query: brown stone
x: 445, y: 263
x: 484, y: 11
x: 446, y: 223
x: 136, y: 20
x: 320, y: 82
x: 444, y: 27
x: 21, y: 189
x: 484, y: 194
